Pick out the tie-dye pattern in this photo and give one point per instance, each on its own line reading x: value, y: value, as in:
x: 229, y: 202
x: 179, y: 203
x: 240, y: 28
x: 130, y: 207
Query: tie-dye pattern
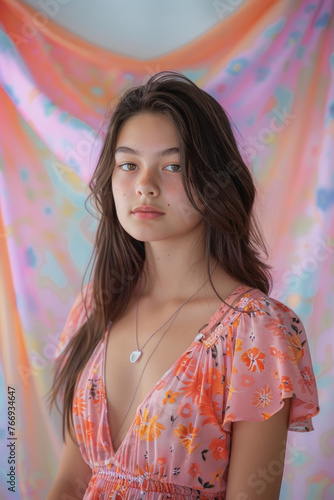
x: 271, y: 65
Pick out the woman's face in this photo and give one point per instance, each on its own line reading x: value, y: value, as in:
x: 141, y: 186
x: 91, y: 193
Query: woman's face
x: 150, y: 175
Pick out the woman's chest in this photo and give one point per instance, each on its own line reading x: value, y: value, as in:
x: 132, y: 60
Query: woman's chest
x: 170, y: 408
x: 164, y: 351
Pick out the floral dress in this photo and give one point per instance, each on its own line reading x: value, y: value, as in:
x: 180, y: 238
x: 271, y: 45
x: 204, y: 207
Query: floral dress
x: 240, y: 367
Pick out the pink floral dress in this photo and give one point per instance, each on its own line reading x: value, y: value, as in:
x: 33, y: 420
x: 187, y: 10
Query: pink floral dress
x: 178, y: 445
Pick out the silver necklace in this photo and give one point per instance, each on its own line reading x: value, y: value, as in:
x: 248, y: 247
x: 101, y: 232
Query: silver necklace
x: 135, y: 355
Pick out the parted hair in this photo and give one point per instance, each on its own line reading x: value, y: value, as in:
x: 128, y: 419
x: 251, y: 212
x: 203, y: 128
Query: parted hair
x: 212, y: 168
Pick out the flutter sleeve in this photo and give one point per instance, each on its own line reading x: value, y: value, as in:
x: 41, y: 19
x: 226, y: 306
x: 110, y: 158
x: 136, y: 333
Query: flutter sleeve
x: 269, y: 360
x: 75, y: 319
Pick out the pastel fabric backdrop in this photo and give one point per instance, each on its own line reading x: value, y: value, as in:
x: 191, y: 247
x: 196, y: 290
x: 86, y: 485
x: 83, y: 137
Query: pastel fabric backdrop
x: 270, y: 64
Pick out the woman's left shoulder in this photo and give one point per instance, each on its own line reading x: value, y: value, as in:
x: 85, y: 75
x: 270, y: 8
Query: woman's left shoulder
x: 256, y: 303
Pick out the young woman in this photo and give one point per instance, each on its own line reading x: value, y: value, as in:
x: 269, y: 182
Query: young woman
x: 179, y: 375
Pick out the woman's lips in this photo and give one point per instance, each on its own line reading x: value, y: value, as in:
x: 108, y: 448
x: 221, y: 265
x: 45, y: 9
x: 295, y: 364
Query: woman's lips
x: 147, y: 215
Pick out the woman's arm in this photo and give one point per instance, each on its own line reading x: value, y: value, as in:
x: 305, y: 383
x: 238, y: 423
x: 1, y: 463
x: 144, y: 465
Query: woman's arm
x: 257, y: 457
x: 73, y: 473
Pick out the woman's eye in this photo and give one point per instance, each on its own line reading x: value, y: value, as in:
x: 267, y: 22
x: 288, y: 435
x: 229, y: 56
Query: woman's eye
x: 132, y: 164
x: 174, y: 165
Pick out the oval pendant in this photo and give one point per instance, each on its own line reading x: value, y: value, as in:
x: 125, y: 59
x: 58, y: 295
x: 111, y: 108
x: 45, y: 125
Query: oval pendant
x: 134, y: 356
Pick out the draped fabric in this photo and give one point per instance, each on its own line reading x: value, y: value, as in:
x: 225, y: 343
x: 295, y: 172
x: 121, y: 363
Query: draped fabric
x: 270, y: 65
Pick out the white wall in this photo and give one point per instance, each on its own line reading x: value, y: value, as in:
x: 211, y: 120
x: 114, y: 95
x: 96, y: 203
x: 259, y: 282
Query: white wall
x: 138, y: 28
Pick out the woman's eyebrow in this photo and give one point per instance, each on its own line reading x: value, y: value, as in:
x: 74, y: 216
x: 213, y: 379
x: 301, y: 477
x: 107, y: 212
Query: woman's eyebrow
x: 163, y: 152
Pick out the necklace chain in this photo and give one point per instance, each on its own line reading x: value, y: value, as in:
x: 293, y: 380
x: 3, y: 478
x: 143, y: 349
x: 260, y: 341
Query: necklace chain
x: 141, y: 375
x: 135, y: 355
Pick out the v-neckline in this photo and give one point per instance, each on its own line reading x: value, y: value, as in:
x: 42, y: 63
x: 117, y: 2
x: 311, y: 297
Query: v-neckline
x: 203, y: 330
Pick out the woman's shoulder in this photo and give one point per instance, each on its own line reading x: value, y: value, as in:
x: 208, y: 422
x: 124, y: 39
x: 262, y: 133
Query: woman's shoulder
x: 256, y: 314
x: 254, y: 302
x: 76, y: 316
x: 264, y: 323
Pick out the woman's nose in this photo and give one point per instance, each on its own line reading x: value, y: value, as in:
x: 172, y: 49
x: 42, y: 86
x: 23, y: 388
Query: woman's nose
x: 147, y: 184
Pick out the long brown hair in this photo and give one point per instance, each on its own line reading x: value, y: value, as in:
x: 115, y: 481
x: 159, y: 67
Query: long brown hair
x: 212, y: 168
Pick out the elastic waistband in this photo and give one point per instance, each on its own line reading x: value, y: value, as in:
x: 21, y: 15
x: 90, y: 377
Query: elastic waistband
x: 122, y: 481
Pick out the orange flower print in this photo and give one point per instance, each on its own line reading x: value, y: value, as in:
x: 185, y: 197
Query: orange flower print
x: 308, y: 376
x: 161, y: 461
x: 308, y: 380
x: 194, y: 470
x: 238, y: 345
x: 208, y: 408
x: 255, y: 307
x: 185, y: 410
x: 247, y: 380
x: 78, y: 432
x: 186, y: 365
x: 170, y: 397
x: 217, y: 476
x: 79, y: 404
x: 218, y: 447
x: 230, y: 389
x: 262, y: 397
x: 230, y: 418
x: 215, y: 379
x: 253, y: 359
x: 281, y: 356
x: 215, y: 406
x: 266, y: 416
x: 89, y: 429
x: 236, y: 322
x: 276, y: 374
x: 228, y: 384
x: 193, y: 387
x: 285, y: 385
x: 149, y: 469
x: 148, y: 429
x: 283, y: 307
x: 276, y: 326
x: 297, y: 351
x: 186, y: 435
